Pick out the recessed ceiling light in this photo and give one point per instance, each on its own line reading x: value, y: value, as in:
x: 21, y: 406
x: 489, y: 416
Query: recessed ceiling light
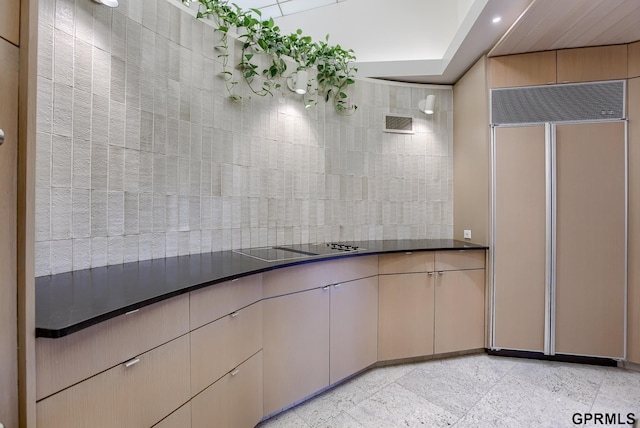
x: 496, y: 19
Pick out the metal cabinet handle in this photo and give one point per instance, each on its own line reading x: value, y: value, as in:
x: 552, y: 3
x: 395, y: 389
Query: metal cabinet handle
x: 1, y: 141
x: 430, y: 273
x: 337, y: 285
x: 132, y: 362
x: 235, y: 372
x: 234, y: 314
x: 326, y: 288
x: 132, y: 312
x: 440, y: 272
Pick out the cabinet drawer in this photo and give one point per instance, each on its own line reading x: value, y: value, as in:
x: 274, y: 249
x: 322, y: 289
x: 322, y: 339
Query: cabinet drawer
x: 407, y: 262
x: 136, y: 396
x: 298, y: 278
x: 68, y: 360
x: 233, y: 401
x: 351, y: 268
x: 460, y: 259
x: 213, y: 302
x: 218, y: 347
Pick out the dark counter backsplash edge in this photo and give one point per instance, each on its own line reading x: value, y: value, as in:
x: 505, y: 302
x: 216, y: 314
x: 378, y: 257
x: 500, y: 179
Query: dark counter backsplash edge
x: 72, y: 301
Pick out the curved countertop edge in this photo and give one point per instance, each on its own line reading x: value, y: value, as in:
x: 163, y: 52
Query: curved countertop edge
x: 71, y: 301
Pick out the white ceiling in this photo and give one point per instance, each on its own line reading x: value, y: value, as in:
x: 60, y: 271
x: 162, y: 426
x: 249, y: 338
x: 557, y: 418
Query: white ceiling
x: 436, y: 41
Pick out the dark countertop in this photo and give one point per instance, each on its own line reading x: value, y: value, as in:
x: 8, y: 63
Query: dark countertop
x: 71, y: 301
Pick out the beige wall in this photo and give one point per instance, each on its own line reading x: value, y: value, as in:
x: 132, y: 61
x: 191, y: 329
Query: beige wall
x: 471, y: 155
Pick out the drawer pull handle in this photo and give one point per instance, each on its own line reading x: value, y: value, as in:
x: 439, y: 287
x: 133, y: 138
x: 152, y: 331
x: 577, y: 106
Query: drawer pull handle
x: 132, y: 362
x: 132, y: 312
x: 1, y: 141
x: 235, y: 372
x: 440, y: 272
x: 326, y: 288
x: 337, y: 285
x: 234, y: 314
x: 408, y: 252
x: 430, y: 273
x: 235, y: 279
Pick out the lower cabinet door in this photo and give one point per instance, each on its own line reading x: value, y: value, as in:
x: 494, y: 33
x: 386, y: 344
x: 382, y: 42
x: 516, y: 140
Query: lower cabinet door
x: 405, y: 323
x: 459, y: 310
x: 296, y: 347
x: 233, y: 401
x: 354, y: 327
x: 135, y: 394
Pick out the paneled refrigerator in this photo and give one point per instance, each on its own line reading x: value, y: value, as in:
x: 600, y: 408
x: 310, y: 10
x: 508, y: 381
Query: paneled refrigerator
x: 559, y: 229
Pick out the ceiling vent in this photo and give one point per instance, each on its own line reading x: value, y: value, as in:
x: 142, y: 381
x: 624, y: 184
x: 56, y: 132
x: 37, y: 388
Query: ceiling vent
x: 398, y: 124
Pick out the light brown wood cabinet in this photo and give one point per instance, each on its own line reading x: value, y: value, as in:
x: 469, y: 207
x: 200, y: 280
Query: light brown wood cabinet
x: 137, y: 393
x: 210, y: 303
x: 296, y: 347
x: 592, y: 64
x: 436, y: 311
x: 222, y: 345
x: 10, y: 21
x: 71, y: 359
x: 9, y: 58
x: 233, y: 401
x: 459, y: 310
x: 406, y: 316
x: 354, y: 327
x: 633, y: 61
x: 538, y: 68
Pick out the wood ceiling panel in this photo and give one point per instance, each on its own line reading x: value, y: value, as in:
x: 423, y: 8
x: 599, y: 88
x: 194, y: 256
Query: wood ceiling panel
x: 597, y: 27
x: 552, y: 24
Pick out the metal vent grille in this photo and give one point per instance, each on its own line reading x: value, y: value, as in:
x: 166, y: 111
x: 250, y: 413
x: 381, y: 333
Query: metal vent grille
x: 558, y: 103
x: 398, y: 124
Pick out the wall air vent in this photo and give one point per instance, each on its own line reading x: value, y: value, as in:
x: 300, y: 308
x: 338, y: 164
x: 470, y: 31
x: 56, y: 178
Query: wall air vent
x: 558, y: 103
x: 398, y: 124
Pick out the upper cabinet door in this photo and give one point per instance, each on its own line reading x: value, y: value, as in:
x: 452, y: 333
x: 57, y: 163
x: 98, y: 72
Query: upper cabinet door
x: 592, y: 64
x: 633, y: 61
x: 538, y: 68
x: 10, y: 21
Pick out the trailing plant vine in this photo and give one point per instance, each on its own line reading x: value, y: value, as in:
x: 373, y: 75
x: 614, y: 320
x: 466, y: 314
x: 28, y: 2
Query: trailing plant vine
x: 262, y: 39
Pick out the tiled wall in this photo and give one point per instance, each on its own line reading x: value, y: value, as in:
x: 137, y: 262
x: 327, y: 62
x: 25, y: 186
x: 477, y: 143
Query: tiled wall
x: 141, y: 154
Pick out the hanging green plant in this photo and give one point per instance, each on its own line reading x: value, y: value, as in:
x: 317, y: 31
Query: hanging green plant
x: 262, y: 38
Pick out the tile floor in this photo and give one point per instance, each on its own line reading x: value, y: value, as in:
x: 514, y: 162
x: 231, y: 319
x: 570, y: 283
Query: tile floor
x: 470, y: 391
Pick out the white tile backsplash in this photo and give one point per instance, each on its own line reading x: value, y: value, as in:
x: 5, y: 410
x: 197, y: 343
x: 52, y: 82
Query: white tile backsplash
x: 141, y: 154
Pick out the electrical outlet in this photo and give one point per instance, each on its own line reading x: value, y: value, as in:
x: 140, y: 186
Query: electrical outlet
x: 467, y: 234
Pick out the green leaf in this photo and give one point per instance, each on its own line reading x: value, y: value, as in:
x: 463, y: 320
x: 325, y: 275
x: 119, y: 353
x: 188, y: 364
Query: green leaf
x: 343, y: 95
